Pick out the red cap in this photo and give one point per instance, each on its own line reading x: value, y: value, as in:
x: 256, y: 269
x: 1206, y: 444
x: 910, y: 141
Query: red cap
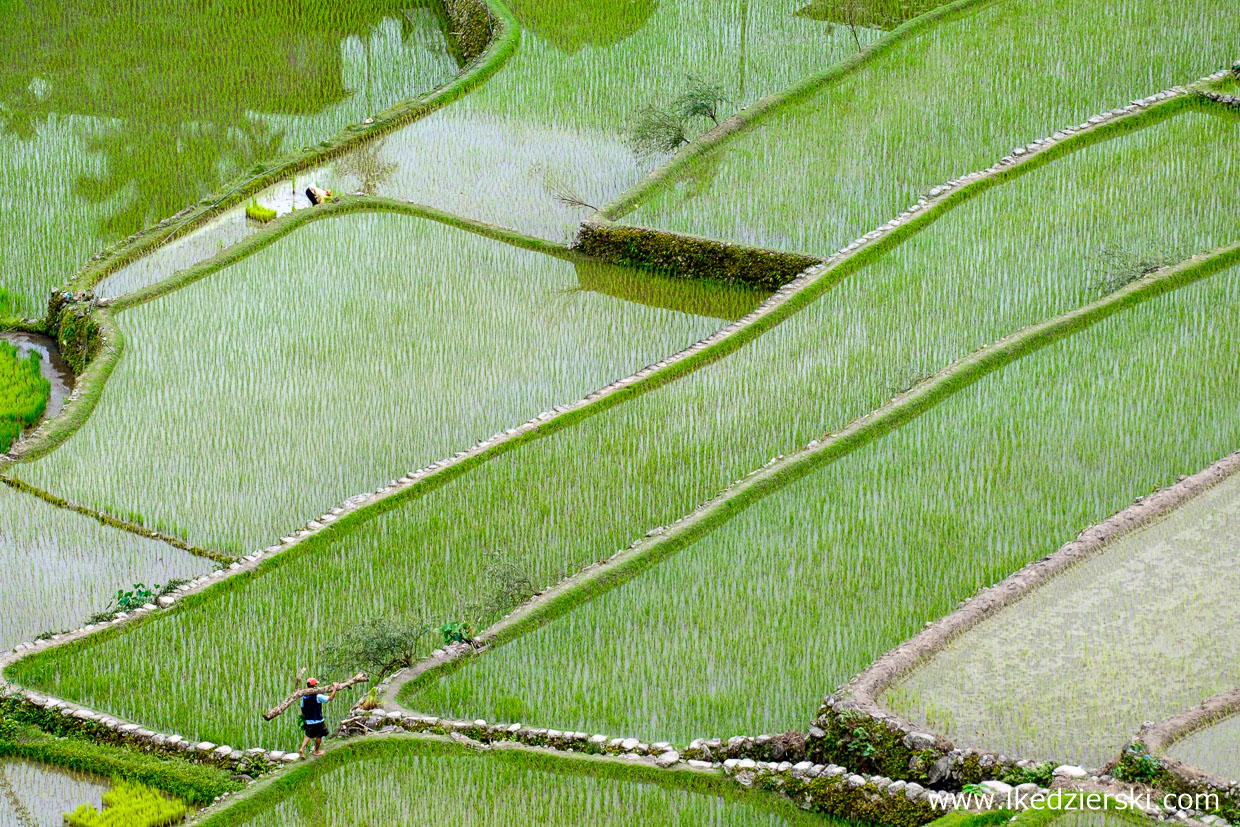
x: 312, y: 682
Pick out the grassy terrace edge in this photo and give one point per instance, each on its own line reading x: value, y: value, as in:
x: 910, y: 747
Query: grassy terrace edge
x: 666, y: 541
x: 629, y: 200
x: 277, y: 787
x: 505, y: 36
x: 783, y: 304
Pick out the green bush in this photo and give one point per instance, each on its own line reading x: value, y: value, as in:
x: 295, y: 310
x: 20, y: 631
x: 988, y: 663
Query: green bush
x: 129, y: 804
x: 23, y: 393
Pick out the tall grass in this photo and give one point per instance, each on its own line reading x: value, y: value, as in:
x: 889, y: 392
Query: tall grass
x: 1075, y: 697
x: 745, y: 631
x: 936, y: 106
x: 61, y: 567
x: 23, y: 393
x: 555, y: 121
x: 579, y: 495
x: 339, y: 358
x: 121, y: 115
x: 1214, y: 749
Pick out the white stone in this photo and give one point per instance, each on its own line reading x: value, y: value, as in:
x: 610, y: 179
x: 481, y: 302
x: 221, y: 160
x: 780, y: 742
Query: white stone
x: 204, y: 746
x: 668, y: 758
x: 222, y: 751
x: 166, y: 601
x: 1069, y: 771
x: 998, y: 788
x: 629, y: 744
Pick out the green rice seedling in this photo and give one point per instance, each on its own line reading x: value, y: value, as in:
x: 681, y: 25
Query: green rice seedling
x: 129, y: 804
x: 747, y: 630
x: 1215, y: 748
x: 559, y: 113
x: 125, y: 120
x: 33, y: 793
x: 23, y: 393
x: 869, y: 144
x: 331, y: 374
x: 577, y: 496
x: 406, y: 781
x: 257, y: 212
x: 1072, y: 698
x: 60, y: 567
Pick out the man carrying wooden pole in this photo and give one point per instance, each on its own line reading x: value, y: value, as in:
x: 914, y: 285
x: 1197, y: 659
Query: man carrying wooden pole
x: 313, y: 723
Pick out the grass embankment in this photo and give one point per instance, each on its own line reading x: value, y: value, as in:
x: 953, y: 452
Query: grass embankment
x: 401, y: 780
x: 61, y: 567
x: 103, y: 150
x: 865, y: 147
x: 579, y: 494
x: 273, y: 341
x: 23, y: 393
x: 1079, y: 702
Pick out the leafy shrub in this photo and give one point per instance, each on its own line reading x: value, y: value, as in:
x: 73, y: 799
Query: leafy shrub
x: 23, y: 393
x: 1138, y: 766
x: 456, y: 632
x: 129, y: 804
x: 377, y: 646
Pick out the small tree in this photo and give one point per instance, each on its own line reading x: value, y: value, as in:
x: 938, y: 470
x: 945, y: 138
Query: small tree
x: 377, y: 646
x: 664, y: 129
x: 700, y: 99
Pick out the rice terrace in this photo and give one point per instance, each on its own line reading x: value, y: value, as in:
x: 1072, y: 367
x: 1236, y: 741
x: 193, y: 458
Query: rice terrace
x: 620, y: 412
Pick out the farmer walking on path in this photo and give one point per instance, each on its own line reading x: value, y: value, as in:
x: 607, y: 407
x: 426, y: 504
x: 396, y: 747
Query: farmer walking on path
x: 312, y: 723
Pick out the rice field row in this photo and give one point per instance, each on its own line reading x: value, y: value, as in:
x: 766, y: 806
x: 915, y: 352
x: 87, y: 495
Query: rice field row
x: 556, y: 122
x: 1156, y: 602
x: 576, y: 496
x: 746, y: 630
x: 98, y: 141
x: 34, y: 795
x: 61, y: 567
x: 867, y: 145
x: 419, y: 339
x: 406, y: 782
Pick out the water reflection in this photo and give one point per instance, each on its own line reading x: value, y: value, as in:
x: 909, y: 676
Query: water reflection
x: 715, y: 300
x: 568, y: 25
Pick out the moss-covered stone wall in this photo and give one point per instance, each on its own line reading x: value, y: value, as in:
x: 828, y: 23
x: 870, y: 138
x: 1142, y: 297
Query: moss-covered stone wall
x: 690, y: 257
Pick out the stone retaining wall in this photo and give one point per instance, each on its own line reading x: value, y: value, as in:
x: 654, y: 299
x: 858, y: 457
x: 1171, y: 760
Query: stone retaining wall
x: 688, y: 256
x: 60, y: 717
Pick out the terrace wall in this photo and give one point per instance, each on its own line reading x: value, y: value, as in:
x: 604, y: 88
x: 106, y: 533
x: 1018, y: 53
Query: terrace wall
x: 690, y: 257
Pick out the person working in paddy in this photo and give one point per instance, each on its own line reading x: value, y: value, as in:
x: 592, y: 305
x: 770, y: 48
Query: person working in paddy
x: 312, y: 720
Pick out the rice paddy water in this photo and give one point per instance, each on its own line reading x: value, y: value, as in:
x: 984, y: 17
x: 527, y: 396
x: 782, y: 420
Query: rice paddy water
x: 1107, y: 641
x: 869, y: 145
x: 425, y: 340
x: 942, y: 294
x: 553, y: 126
x: 820, y: 579
x: 61, y: 567
x: 265, y: 379
x: 120, y: 116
